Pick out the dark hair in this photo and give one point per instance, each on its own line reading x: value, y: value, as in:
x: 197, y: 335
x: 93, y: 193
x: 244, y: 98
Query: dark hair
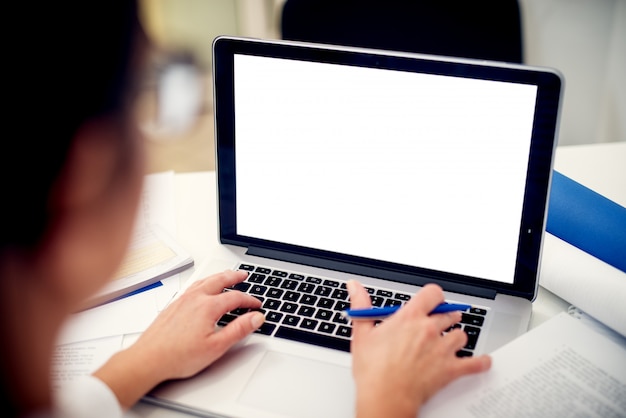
x: 70, y: 64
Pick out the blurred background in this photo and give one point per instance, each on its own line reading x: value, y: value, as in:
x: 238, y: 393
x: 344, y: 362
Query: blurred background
x: 584, y: 39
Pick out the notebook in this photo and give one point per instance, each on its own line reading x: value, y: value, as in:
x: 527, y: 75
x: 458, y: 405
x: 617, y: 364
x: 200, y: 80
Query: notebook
x: 393, y: 169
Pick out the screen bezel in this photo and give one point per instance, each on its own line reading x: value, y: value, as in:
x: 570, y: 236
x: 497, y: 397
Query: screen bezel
x: 543, y: 143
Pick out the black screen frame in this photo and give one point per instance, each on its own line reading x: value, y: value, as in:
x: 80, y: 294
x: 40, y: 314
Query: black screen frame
x: 549, y: 84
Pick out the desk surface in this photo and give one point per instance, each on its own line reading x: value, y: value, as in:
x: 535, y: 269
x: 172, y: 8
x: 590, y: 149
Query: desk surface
x: 601, y: 167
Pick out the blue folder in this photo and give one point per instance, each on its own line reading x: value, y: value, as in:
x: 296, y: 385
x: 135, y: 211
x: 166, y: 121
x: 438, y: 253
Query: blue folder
x: 587, y: 220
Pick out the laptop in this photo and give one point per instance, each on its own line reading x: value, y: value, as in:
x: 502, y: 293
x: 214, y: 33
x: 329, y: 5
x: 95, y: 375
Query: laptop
x: 394, y: 169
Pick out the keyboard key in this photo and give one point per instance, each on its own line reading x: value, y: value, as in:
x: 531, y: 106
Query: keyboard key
x: 340, y: 294
x: 225, y: 319
x: 309, y: 323
x: 291, y: 296
x: 279, y: 273
x: 344, y: 331
x: 275, y: 293
x: 478, y: 311
x: 257, y: 290
x: 341, y: 305
x: 472, y: 337
x: 314, y: 280
x: 291, y: 320
x: 326, y: 327
x: 246, y: 267
x: 306, y: 310
x: 384, y: 293
x: 289, y: 307
x: 273, y: 281
x: 242, y: 287
x: 325, y: 303
x: 472, y: 319
x: 266, y: 329
x: 239, y: 311
x: 272, y: 304
x: 393, y: 302
x: 323, y: 291
x: 313, y: 338
x: 289, y: 285
x: 257, y: 278
x: 263, y: 270
x: 306, y: 287
x: 295, y: 276
x: 308, y: 299
x: 464, y: 353
x: 338, y: 318
x: 377, y: 301
x: 402, y: 296
x: 331, y: 283
x: 273, y: 316
x: 324, y: 314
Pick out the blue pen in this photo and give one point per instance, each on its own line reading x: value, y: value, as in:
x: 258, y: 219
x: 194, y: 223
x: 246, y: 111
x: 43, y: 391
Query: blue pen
x: 383, y: 312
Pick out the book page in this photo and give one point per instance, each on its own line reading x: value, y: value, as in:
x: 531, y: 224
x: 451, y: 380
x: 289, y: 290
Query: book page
x: 561, y: 368
x: 145, y: 251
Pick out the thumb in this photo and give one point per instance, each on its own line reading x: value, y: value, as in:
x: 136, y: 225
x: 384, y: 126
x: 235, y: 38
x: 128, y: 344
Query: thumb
x: 236, y: 330
x: 359, y: 299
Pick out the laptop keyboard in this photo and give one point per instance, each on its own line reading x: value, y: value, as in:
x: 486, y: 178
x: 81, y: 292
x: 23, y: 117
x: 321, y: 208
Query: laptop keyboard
x: 308, y: 309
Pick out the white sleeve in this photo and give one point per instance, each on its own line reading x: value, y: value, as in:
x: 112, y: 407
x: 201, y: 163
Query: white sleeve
x: 87, y: 396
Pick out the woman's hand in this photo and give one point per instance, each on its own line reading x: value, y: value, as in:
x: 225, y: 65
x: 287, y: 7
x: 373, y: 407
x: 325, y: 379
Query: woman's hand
x: 399, y: 364
x: 183, y: 339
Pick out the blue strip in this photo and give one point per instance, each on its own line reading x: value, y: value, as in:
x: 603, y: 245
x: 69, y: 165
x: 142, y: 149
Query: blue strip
x: 587, y: 220
x: 140, y: 290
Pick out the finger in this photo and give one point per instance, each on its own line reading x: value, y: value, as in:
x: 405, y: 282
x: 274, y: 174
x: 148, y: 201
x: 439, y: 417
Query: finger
x: 235, y: 331
x: 446, y: 320
x: 359, y: 299
x: 455, y: 340
x: 218, y: 282
x: 423, y: 302
x: 227, y: 301
x: 471, y: 365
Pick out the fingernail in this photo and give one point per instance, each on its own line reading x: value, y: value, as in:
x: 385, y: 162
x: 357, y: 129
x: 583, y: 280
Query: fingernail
x: 257, y: 319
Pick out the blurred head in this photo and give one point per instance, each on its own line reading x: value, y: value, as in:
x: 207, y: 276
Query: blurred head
x: 73, y: 159
x: 72, y: 64
x: 71, y: 176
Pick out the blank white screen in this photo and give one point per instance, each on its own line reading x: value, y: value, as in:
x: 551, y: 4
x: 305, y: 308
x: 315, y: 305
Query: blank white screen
x: 417, y: 169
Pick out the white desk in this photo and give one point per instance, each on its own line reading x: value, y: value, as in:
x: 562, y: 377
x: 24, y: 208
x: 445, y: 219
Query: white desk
x: 601, y: 167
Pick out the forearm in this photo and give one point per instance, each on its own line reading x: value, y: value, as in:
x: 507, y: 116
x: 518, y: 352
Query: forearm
x: 129, y: 376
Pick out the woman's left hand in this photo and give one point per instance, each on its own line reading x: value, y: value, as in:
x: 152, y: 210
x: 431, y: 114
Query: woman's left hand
x: 183, y: 339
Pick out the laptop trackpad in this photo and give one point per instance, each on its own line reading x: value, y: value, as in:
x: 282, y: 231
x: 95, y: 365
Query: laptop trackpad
x: 300, y: 387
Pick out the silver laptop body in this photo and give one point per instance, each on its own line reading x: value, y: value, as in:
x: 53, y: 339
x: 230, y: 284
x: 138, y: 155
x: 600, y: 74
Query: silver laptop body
x: 393, y: 169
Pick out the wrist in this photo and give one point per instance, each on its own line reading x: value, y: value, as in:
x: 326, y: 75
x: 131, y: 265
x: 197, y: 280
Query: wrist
x: 375, y: 403
x: 128, y: 376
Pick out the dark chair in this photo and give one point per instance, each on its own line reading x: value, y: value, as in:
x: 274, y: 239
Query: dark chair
x: 484, y: 29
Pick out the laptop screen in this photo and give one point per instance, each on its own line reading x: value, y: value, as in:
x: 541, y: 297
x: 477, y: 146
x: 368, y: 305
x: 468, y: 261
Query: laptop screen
x: 399, y: 164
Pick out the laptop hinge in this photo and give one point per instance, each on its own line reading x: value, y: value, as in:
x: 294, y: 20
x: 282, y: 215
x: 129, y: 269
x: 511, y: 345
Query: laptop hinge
x: 369, y: 271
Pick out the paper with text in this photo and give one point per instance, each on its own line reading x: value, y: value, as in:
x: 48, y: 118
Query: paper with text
x: 561, y: 368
